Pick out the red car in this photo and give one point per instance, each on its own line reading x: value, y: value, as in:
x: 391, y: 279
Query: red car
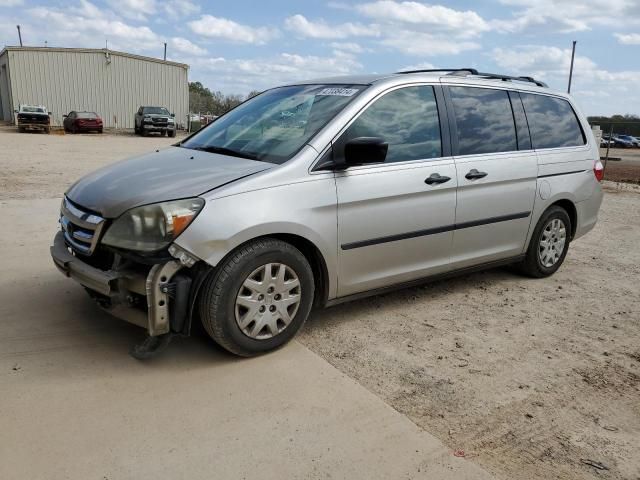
x: 75, y: 122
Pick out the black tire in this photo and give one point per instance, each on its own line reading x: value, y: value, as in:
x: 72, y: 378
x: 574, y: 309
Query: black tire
x: 532, y: 264
x: 135, y: 128
x: 21, y: 129
x: 171, y: 133
x: 218, y: 295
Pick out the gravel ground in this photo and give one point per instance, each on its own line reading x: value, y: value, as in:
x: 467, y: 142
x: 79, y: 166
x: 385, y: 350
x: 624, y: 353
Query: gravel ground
x: 533, y: 379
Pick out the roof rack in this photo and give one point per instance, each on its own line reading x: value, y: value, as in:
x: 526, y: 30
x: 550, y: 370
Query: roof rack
x: 463, y: 72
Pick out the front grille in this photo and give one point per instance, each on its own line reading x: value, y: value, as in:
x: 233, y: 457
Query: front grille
x: 160, y: 121
x: 81, y: 228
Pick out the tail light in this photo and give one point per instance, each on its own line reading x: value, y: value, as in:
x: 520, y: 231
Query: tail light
x: 598, y: 170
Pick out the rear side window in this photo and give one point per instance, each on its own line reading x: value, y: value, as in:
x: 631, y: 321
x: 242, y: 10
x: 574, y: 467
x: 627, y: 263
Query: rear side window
x: 484, y: 120
x: 407, y: 119
x: 552, y: 122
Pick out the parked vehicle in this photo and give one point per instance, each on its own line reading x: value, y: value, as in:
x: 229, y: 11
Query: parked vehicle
x: 33, y: 117
x: 377, y: 182
x: 75, y: 122
x: 618, y: 142
x: 628, y: 138
x: 155, y: 119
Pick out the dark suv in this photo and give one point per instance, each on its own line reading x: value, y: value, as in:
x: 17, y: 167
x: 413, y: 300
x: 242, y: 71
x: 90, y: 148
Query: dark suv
x: 154, y: 119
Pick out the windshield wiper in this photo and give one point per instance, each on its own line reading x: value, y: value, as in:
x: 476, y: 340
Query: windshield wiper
x: 226, y: 151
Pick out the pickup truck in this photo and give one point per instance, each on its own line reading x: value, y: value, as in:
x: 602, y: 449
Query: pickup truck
x: 33, y: 117
x: 154, y: 119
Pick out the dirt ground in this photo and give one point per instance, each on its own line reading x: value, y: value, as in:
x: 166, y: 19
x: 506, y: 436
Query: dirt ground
x: 625, y: 167
x: 532, y: 379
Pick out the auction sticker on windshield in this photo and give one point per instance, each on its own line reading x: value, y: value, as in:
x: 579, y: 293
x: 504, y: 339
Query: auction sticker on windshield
x: 340, y: 92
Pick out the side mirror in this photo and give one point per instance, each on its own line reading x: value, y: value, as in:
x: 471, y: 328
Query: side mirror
x: 365, y: 150
x: 16, y: 111
x: 50, y: 113
x: 65, y: 115
x: 173, y: 115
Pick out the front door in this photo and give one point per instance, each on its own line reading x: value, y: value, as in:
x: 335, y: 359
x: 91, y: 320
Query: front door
x: 395, y: 220
x: 497, y: 172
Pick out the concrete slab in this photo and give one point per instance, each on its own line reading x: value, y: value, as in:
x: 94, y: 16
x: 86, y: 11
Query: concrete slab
x: 74, y: 405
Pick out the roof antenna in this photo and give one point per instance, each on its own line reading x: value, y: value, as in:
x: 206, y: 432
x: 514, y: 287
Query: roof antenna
x: 19, y: 34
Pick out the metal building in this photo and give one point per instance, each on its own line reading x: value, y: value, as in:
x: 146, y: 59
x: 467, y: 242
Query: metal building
x: 112, y: 84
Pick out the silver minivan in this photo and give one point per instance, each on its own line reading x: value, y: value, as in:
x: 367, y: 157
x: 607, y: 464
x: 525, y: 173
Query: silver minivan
x: 323, y: 191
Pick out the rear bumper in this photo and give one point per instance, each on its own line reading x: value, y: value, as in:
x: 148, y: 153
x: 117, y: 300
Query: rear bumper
x: 587, y: 211
x: 114, y: 290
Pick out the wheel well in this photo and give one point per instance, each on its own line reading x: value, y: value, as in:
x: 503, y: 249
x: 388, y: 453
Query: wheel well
x: 570, y: 208
x: 315, y: 259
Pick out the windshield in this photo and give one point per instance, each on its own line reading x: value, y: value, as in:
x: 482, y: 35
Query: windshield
x: 155, y: 111
x: 87, y: 115
x: 276, y: 124
x: 33, y: 109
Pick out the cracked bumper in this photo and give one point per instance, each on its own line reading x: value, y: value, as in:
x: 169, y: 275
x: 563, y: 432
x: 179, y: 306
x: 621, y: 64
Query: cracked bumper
x: 116, y: 288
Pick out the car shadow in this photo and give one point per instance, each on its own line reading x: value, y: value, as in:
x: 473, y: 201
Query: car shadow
x: 428, y: 291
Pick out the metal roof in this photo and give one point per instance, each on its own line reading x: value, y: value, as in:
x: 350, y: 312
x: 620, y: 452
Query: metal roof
x: 92, y: 50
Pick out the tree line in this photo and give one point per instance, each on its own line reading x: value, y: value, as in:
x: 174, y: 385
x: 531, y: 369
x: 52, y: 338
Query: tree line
x: 204, y: 101
x: 622, y: 124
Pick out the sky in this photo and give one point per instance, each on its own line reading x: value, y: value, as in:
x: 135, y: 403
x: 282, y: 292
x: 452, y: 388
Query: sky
x: 239, y: 46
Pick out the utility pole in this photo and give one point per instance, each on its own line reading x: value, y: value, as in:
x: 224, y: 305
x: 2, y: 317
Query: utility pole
x: 165, y: 50
x: 573, y: 54
x: 19, y: 34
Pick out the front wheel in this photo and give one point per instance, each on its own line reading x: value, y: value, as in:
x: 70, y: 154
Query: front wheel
x: 258, y: 298
x: 549, y: 244
x: 172, y: 133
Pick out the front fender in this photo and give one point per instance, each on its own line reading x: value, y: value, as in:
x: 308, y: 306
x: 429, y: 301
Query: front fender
x: 306, y: 209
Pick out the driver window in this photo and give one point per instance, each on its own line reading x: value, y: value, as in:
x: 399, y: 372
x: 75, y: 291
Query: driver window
x: 407, y: 119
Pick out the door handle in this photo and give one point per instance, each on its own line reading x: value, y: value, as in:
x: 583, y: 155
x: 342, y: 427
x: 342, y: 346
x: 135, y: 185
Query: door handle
x: 436, y: 178
x: 474, y: 174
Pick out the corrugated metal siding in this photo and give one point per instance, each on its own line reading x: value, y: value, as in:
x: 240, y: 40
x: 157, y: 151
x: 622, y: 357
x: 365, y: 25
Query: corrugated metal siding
x: 82, y: 80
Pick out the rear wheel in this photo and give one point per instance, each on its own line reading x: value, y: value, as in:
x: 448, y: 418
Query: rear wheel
x: 259, y: 298
x: 549, y: 244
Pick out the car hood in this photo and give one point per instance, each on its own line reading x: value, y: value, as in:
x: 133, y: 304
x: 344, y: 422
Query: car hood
x: 156, y: 177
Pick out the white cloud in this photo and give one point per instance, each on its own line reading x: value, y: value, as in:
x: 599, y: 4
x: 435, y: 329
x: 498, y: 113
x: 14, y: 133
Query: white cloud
x: 134, y: 9
x: 350, y: 47
x: 320, y: 29
x: 89, y: 26
x: 11, y: 3
x: 216, y: 27
x: 628, y: 38
x: 427, y: 18
x: 180, y: 8
x: 540, y: 61
x: 417, y: 66
x: 410, y: 27
x: 566, y: 16
x: 244, y: 75
x: 425, y: 44
x: 182, y: 45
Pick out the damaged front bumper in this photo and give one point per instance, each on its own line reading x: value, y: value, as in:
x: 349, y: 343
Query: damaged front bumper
x: 121, y: 291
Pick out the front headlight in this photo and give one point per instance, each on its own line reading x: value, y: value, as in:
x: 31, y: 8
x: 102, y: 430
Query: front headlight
x: 152, y: 227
